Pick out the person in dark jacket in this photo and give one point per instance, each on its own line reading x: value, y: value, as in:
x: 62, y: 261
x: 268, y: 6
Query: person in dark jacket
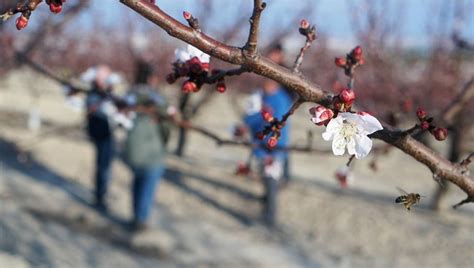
x: 100, y: 110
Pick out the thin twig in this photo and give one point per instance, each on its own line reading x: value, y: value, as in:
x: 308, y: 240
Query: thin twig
x: 292, y: 110
x: 465, y: 201
x: 251, y: 45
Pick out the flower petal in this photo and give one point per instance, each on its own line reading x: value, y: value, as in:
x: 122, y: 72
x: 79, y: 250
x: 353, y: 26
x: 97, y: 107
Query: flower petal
x: 339, y: 145
x: 334, y: 126
x: 351, y: 146
x: 363, y: 146
x: 181, y: 55
x: 195, y: 52
x: 371, y: 124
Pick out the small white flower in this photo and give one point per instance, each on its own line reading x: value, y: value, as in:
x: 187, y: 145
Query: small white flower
x: 350, y: 130
x: 191, y: 52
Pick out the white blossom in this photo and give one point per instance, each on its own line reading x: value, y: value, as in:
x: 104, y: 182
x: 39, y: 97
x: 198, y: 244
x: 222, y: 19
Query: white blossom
x: 350, y: 130
x: 191, y: 52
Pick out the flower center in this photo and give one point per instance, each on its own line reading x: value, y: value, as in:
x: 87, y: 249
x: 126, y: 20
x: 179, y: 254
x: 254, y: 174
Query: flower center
x: 348, y: 129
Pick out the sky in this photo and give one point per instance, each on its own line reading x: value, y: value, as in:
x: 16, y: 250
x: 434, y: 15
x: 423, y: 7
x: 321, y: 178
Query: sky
x: 334, y: 18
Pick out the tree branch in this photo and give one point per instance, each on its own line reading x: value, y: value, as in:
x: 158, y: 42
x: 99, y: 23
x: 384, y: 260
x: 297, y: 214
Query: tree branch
x: 232, y: 142
x: 299, y: 84
x: 459, y: 102
x: 251, y: 46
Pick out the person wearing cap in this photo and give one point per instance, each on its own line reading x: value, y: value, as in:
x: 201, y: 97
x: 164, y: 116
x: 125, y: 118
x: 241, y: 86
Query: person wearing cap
x: 100, y: 111
x: 145, y: 145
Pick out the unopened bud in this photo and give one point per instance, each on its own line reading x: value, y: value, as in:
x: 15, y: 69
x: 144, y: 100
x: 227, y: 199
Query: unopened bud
x: 272, y: 142
x: 267, y: 114
x: 421, y: 113
x: 425, y: 125
x: 55, y: 7
x: 340, y: 62
x: 304, y: 24
x: 357, y: 51
x: 189, y: 86
x: 321, y: 115
x: 347, y: 96
x: 187, y: 15
x: 220, y: 87
x: 440, y: 133
x: 21, y: 22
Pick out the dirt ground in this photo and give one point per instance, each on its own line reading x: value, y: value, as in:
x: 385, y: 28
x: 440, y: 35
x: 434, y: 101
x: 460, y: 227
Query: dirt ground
x: 204, y: 215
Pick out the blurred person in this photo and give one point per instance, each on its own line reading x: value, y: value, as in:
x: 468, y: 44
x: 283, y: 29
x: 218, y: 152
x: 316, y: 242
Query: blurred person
x: 271, y: 163
x: 145, y: 146
x: 100, y: 112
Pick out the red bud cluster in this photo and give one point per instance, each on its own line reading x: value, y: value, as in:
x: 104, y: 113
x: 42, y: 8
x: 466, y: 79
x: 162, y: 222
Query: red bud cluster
x: 353, y: 59
x: 307, y: 30
x: 27, y: 7
x: 426, y: 123
x: 195, y: 70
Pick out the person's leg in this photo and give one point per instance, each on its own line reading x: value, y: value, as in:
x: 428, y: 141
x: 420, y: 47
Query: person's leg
x: 104, y: 159
x: 145, y: 193
x: 137, y: 186
x: 270, y: 184
x: 286, y: 169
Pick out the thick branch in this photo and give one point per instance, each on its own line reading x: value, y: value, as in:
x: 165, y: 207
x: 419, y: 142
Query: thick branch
x: 306, y: 90
x: 258, y: 65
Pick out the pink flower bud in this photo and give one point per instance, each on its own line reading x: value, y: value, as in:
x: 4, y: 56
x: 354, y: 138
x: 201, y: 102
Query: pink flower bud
x: 189, y: 86
x: 194, y: 65
x: 55, y: 7
x: 21, y: 22
x: 357, y: 52
x: 440, y: 133
x: 421, y: 113
x: 425, y: 125
x: 321, y: 115
x: 340, y: 62
x: 344, y: 177
x: 220, y: 87
x: 187, y: 15
x: 267, y: 114
x: 304, y: 24
x: 272, y: 142
x: 347, y: 96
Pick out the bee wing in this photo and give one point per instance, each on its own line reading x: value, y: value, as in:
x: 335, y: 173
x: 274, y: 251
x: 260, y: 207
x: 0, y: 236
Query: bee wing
x: 402, y: 191
x: 423, y: 196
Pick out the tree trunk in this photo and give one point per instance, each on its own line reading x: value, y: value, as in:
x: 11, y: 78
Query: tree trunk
x: 182, y: 136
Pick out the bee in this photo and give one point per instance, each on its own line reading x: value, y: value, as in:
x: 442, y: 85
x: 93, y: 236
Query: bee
x: 408, y: 199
